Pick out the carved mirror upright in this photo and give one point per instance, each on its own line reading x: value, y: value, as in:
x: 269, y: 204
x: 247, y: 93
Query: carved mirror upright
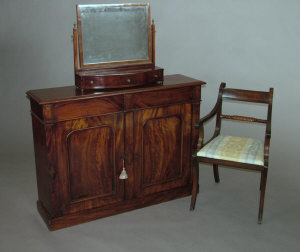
x: 114, y: 46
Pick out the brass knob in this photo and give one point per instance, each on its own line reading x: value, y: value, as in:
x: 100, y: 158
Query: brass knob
x: 91, y: 82
x: 128, y: 80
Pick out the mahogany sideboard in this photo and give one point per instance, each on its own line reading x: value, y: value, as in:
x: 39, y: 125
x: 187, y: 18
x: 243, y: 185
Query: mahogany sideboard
x: 82, y: 141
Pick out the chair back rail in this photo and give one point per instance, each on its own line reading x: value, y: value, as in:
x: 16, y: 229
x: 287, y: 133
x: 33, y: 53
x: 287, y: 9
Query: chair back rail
x: 246, y: 95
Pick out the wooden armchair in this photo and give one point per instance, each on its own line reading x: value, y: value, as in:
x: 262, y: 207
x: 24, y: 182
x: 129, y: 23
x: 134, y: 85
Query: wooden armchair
x: 240, y: 152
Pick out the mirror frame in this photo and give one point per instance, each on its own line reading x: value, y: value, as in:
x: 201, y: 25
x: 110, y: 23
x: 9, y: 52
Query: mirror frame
x: 148, y: 60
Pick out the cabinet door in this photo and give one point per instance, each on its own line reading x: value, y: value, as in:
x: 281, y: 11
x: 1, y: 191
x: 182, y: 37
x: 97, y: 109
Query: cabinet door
x: 90, y: 152
x: 162, y: 138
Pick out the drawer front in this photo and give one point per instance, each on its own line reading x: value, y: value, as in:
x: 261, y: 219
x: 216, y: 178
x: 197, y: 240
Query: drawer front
x: 82, y: 108
x: 113, y: 81
x: 119, y: 80
x: 155, y: 76
x: 158, y: 98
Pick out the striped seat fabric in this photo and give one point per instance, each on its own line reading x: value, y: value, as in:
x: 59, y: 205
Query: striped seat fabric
x: 232, y: 148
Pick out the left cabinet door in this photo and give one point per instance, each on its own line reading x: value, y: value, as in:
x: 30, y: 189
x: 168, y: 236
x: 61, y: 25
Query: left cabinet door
x: 89, y: 153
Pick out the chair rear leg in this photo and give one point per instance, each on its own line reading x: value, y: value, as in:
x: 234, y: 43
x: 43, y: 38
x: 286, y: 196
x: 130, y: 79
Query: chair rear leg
x: 261, y: 181
x: 195, y: 183
x: 262, y: 194
x: 216, y: 173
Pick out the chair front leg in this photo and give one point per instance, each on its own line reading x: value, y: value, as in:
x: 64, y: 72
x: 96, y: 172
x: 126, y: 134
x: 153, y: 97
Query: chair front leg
x: 261, y: 180
x: 216, y: 173
x: 263, y: 183
x: 195, y: 181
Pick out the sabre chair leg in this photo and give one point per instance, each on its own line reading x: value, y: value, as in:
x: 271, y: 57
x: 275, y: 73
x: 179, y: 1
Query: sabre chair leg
x: 195, y: 183
x: 216, y: 173
x: 263, y: 183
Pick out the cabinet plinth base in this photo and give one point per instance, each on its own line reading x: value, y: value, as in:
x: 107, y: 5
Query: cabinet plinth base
x: 109, y: 210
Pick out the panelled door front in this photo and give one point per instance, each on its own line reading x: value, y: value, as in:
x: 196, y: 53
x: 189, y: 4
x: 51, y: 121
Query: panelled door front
x: 162, y: 148
x: 92, y: 151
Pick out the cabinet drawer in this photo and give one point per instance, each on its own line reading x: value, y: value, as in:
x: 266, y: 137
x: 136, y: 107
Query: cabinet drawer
x: 114, y: 81
x: 98, y: 80
x: 155, y: 76
x: 96, y: 106
x: 158, y: 98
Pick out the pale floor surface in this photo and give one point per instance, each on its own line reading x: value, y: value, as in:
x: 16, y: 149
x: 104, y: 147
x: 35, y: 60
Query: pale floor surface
x: 225, y: 218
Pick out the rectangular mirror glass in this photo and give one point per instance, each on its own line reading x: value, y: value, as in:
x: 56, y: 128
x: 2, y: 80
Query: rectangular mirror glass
x: 114, y: 34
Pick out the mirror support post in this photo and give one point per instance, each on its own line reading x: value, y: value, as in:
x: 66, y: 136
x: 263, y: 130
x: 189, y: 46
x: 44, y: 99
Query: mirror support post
x: 153, y: 42
x: 76, y: 67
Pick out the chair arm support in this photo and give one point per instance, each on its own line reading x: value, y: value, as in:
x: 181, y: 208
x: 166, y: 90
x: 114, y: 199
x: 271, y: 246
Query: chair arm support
x: 215, y: 111
x: 200, y: 125
x: 267, y: 149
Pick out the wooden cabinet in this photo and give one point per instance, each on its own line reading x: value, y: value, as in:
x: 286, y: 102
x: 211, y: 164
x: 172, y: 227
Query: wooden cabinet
x: 81, y: 142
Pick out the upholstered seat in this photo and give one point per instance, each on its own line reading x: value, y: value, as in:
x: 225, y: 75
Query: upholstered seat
x: 232, y: 148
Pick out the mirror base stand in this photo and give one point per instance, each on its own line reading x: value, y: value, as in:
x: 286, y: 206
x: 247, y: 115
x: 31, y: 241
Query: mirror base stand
x: 117, y: 78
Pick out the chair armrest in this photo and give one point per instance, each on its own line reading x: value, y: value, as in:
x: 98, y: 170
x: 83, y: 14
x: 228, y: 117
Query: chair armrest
x: 212, y: 113
x: 205, y: 118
